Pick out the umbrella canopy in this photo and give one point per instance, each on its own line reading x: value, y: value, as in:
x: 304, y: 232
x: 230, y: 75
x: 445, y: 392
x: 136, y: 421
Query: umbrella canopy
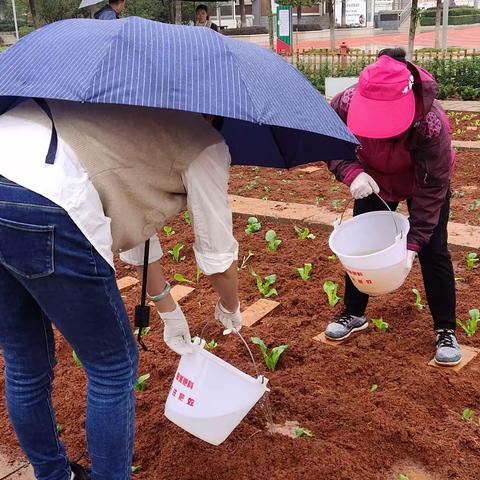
x: 272, y: 115
x: 89, y: 3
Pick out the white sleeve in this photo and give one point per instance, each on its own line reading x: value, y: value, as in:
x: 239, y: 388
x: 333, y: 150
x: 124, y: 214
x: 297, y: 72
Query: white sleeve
x: 135, y: 255
x: 206, y: 183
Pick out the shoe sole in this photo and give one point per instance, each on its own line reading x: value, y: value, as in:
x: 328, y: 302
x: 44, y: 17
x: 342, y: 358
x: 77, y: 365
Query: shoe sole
x: 353, y: 330
x: 447, y: 364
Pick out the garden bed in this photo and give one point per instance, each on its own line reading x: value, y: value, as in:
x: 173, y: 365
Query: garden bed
x: 411, y: 423
x: 465, y: 125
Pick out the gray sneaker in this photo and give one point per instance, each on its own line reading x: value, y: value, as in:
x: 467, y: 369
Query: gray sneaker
x: 448, y: 352
x: 346, y: 325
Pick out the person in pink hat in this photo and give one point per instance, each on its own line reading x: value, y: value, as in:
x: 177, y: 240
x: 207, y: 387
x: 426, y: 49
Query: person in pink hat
x: 406, y: 154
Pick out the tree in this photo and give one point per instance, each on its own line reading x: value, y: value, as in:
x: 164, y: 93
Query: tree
x: 33, y: 12
x: 243, y: 15
x: 178, y: 12
x: 414, y: 15
x: 330, y: 4
x: 53, y: 10
x: 270, y: 24
x: 438, y: 18
x: 344, y: 13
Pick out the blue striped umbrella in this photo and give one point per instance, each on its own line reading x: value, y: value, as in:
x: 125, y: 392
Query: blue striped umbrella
x: 272, y: 115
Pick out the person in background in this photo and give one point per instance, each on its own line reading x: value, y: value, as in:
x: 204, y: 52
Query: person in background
x: 406, y: 154
x: 112, y: 11
x: 98, y: 193
x: 202, y: 18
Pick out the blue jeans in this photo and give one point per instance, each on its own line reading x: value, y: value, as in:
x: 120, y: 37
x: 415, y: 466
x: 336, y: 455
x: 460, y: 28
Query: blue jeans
x: 51, y: 275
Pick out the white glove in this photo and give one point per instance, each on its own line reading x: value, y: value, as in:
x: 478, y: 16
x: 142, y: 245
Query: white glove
x: 232, y: 321
x: 176, y: 333
x: 410, y: 258
x: 363, y: 186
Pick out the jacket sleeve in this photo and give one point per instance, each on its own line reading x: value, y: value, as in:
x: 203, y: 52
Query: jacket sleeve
x: 344, y: 171
x: 433, y: 161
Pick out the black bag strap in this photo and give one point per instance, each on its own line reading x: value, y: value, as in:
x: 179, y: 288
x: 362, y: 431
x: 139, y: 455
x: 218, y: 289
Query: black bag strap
x: 52, y: 148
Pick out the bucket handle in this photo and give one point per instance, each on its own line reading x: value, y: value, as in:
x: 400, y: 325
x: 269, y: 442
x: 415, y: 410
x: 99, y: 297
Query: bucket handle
x: 339, y: 222
x: 244, y: 342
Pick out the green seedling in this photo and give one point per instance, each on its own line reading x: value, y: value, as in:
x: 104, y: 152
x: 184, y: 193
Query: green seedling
x: 418, y: 299
x: 264, y: 287
x: 178, y: 277
x: 211, y: 345
x: 304, y: 233
x: 458, y: 194
x: 136, y: 468
x: 59, y: 428
x: 266, y: 188
x: 175, y: 252
x: 472, y: 260
x: 374, y: 388
x: 246, y: 258
x: 251, y: 185
x: 305, y: 271
x: 467, y: 415
x: 77, y: 361
x: 380, y: 324
x: 330, y: 288
x: 402, y: 477
x: 186, y: 217
x: 474, y: 205
x: 337, y: 204
x: 198, y: 274
x: 141, y: 383
x: 271, y: 359
x: 332, y: 258
x: 169, y: 231
x: 470, y: 326
x: 253, y: 225
x: 271, y: 238
x: 145, y: 331
x: 303, y: 432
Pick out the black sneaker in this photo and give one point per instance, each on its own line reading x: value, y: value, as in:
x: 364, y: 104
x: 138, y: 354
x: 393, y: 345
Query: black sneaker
x: 79, y: 473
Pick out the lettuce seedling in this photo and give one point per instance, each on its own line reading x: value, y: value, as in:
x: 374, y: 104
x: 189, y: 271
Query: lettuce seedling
x: 470, y: 326
x: 330, y: 288
x: 175, y: 252
x: 271, y: 238
x: 264, y: 287
x: 178, y: 277
x: 305, y: 271
x: 253, y: 225
x: 145, y: 331
x: 472, y: 260
x: 211, y: 345
x: 169, y: 231
x: 380, y: 324
x: 186, y: 217
x: 59, y: 428
x: 141, y: 383
x: 303, y: 432
x: 198, y: 274
x: 374, y: 388
x: 136, y: 468
x: 246, y: 258
x: 402, y: 477
x: 467, y: 415
x: 304, y: 233
x: 418, y: 299
x: 271, y: 359
x: 77, y: 361
x: 332, y: 258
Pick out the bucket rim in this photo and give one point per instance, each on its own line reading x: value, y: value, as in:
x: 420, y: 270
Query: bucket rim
x: 383, y: 212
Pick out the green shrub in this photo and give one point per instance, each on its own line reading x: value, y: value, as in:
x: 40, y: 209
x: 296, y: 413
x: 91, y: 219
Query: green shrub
x: 470, y: 93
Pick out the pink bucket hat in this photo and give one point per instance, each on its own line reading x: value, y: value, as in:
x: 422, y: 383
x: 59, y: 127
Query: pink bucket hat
x: 383, y: 105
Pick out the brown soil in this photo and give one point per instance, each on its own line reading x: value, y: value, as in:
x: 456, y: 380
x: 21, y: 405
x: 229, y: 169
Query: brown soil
x: 411, y: 424
x: 465, y: 125
x: 320, y: 188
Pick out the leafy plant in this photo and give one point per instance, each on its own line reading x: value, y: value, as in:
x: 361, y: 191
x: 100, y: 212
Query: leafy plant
x: 178, y: 277
x: 253, y: 225
x: 303, y: 432
x: 470, y: 326
x: 271, y: 238
x: 59, y: 428
x: 332, y: 258
x: 271, y: 359
x: 304, y: 233
x: 474, y: 205
x: 418, y: 299
x: 145, y: 331
x: 467, y: 415
x: 136, y: 468
x: 186, y: 217
x: 472, y: 260
x: 198, y: 274
x: 169, y: 231
x: 211, y: 345
x: 141, y: 383
x: 305, y: 271
x: 337, y: 204
x: 402, y: 477
x: 264, y: 287
x: 77, y: 361
x: 374, y: 388
x: 380, y: 324
x: 175, y: 252
x: 246, y: 258
x: 330, y: 288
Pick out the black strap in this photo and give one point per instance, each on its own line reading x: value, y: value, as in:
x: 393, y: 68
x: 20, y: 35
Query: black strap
x: 52, y: 148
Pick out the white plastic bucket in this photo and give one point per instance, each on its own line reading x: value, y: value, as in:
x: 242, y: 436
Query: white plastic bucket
x: 209, y: 397
x: 372, y: 247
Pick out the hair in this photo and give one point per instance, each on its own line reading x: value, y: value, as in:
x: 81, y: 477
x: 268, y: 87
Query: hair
x: 116, y: 2
x: 202, y: 7
x: 396, y: 53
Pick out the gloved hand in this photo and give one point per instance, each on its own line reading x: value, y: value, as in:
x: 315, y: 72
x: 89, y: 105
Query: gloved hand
x: 410, y: 258
x: 176, y: 333
x: 230, y: 320
x: 363, y: 186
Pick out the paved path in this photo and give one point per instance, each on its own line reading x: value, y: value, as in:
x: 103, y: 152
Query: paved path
x: 465, y: 144
x: 461, y: 105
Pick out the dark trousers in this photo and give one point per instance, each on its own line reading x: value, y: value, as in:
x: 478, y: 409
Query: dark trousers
x: 436, y: 263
